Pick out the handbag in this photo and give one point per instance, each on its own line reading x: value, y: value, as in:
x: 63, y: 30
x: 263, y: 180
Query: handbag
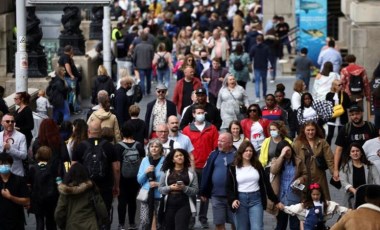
x: 142, y: 195
x: 321, y: 163
x: 338, y: 109
x: 336, y: 184
x: 242, y: 108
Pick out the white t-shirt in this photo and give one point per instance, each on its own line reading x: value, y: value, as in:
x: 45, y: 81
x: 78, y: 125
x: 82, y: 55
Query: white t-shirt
x: 309, y: 113
x: 257, y: 135
x: 247, y: 179
x: 200, y: 127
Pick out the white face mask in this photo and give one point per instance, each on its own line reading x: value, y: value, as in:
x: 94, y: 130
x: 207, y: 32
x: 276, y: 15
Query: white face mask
x: 200, y: 117
x: 274, y: 133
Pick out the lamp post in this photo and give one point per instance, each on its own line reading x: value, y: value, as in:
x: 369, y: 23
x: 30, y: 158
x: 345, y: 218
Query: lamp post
x: 21, y: 64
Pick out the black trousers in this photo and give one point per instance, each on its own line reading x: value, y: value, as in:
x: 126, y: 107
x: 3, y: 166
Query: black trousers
x: 129, y: 187
x: 177, y: 213
x: 46, y: 219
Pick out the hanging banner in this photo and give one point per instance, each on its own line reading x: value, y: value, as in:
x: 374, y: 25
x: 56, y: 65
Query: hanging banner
x: 311, y: 19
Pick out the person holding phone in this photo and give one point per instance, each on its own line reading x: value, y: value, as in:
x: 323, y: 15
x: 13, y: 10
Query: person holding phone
x: 289, y: 177
x: 179, y: 183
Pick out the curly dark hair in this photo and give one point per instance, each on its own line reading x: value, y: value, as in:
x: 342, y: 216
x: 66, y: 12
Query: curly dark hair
x: 238, y: 162
x: 169, y: 164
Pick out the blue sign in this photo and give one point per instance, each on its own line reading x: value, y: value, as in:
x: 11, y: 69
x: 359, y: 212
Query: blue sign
x: 311, y: 19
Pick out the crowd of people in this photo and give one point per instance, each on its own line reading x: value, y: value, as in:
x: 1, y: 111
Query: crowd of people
x: 207, y: 144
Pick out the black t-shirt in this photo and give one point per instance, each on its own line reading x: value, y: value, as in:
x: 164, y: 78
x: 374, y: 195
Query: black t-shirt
x: 357, y: 134
x: 138, y: 127
x: 358, y: 176
x: 66, y: 59
x: 187, y: 91
x: 12, y: 214
x: 109, y: 150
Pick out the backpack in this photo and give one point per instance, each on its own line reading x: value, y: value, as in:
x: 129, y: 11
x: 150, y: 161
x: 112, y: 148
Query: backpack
x: 137, y: 93
x: 95, y: 160
x: 356, y: 84
x: 130, y: 160
x: 161, y: 62
x: 238, y: 65
x: 45, y: 189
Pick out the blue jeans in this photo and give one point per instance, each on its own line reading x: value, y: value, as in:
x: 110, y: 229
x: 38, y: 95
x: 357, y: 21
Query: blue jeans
x: 250, y: 213
x: 260, y: 75
x: 64, y: 110
x: 145, y: 73
x: 72, y: 97
x: 163, y: 77
x: 282, y: 221
x: 273, y: 63
x: 305, y: 79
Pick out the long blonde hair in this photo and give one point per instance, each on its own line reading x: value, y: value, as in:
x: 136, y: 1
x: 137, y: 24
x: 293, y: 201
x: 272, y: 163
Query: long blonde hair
x: 102, y: 70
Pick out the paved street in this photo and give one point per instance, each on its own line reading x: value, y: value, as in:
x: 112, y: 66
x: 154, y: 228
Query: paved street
x: 269, y: 220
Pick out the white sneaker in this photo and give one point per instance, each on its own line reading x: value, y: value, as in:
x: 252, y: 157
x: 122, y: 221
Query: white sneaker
x: 257, y: 100
x: 271, y: 81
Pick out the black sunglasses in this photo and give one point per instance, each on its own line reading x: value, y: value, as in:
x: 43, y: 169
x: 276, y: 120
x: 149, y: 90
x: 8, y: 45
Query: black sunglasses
x: 252, y: 110
x: 161, y: 91
x: 9, y: 121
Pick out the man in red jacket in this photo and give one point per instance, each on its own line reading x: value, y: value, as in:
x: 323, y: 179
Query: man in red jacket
x: 184, y: 88
x: 204, y: 137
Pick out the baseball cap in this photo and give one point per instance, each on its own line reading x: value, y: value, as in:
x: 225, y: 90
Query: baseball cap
x: 355, y: 108
x: 200, y: 91
x: 161, y: 87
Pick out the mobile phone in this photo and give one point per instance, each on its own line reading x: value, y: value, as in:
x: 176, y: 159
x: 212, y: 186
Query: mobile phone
x: 179, y: 182
x: 299, y: 186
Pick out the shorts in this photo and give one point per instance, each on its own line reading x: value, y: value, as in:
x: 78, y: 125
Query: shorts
x: 221, y: 210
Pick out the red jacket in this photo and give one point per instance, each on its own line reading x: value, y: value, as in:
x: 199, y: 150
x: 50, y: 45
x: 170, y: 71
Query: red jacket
x: 204, y: 142
x: 178, y: 92
x: 357, y: 70
x: 246, y: 124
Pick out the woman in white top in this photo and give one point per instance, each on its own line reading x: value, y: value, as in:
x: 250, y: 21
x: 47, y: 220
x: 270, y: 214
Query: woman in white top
x: 299, y: 88
x: 323, y: 81
x: 248, y: 188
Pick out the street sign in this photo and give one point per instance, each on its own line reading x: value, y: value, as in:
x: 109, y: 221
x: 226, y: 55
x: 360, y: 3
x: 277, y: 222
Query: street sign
x: 69, y: 2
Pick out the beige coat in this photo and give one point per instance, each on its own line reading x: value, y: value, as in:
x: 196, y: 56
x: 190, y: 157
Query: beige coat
x: 108, y: 120
x: 366, y: 217
x: 321, y: 148
x: 275, y: 177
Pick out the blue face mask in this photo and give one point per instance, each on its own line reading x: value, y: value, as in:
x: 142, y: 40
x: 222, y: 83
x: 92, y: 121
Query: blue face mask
x: 5, y: 169
x: 274, y: 133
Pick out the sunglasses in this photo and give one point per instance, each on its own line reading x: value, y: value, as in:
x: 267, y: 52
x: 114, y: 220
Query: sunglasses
x: 9, y: 121
x: 161, y: 91
x: 252, y: 110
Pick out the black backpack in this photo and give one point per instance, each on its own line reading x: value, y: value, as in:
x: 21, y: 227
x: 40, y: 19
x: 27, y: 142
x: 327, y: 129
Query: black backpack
x: 95, y: 160
x: 137, y: 94
x: 45, y: 189
x: 161, y: 62
x: 356, y: 83
x: 238, y: 65
x: 130, y: 160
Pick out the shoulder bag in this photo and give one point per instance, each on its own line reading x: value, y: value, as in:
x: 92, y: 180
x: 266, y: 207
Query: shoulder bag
x: 338, y: 109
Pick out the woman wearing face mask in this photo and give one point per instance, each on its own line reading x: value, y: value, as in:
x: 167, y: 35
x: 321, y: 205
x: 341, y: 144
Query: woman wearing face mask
x: 278, y: 133
x: 14, y: 196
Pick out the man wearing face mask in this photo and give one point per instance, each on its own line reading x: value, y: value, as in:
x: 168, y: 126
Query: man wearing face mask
x: 212, y: 114
x: 14, y: 196
x: 123, y: 101
x: 204, y: 137
x: 202, y: 64
x: 13, y: 144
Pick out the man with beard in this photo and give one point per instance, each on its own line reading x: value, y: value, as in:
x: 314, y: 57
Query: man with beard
x: 175, y: 135
x: 357, y: 130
